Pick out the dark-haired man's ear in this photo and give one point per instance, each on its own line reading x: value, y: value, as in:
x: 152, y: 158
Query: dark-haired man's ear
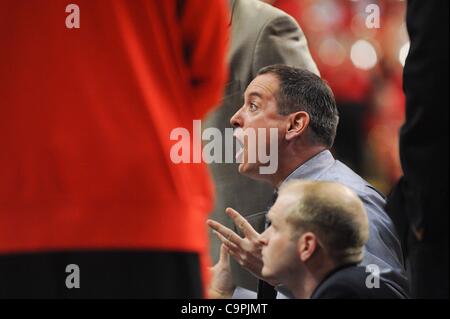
x: 296, y: 125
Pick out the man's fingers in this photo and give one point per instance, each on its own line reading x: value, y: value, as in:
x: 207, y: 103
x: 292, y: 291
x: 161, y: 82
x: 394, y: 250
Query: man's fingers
x: 227, y: 233
x: 228, y: 244
x: 236, y: 256
x: 230, y: 248
x: 241, y: 223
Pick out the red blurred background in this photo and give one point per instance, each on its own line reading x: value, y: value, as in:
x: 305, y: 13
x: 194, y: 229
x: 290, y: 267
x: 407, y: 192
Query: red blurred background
x: 364, y: 68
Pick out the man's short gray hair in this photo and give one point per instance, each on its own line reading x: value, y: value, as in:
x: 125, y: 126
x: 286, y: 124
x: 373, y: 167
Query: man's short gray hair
x: 331, y: 211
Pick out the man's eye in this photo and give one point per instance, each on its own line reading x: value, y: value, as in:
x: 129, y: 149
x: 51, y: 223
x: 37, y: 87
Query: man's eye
x: 253, y: 107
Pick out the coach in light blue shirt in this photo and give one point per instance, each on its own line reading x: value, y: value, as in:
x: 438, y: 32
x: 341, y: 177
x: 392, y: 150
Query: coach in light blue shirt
x: 302, y: 108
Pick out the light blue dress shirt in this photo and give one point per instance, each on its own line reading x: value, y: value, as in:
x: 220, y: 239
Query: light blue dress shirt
x: 383, y: 247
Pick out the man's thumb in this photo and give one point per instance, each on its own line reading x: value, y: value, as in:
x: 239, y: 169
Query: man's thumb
x: 224, y: 255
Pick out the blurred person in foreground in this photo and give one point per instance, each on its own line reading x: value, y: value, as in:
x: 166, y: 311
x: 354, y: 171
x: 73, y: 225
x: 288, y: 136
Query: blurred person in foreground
x: 85, y: 119
x: 315, y: 242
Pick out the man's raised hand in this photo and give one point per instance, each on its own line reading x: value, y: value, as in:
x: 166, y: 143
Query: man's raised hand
x: 247, y: 250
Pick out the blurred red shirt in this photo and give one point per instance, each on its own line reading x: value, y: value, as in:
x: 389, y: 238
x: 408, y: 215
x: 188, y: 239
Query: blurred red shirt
x: 85, y: 120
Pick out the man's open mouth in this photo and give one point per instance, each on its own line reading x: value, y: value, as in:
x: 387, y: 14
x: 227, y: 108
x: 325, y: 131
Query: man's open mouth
x: 239, y: 135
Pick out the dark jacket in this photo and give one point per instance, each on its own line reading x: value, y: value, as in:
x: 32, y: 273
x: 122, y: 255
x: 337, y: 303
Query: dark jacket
x: 418, y: 204
x: 349, y: 282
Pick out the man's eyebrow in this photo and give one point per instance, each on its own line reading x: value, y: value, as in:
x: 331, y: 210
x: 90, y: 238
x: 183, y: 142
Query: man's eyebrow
x: 252, y: 94
x: 255, y: 94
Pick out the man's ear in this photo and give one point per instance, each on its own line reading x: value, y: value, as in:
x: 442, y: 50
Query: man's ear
x: 296, y: 125
x: 306, y: 246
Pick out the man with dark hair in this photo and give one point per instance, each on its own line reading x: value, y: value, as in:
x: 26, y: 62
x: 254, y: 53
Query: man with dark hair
x: 260, y: 35
x: 301, y: 108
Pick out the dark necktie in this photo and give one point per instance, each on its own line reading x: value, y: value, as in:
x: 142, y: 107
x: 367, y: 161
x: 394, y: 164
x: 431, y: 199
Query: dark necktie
x: 266, y: 291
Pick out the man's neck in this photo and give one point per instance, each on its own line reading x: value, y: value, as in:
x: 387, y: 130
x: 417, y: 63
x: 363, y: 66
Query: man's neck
x: 304, y: 285
x: 291, y: 160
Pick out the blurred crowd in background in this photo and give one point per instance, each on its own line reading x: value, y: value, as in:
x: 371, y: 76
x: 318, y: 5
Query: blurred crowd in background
x: 364, y: 68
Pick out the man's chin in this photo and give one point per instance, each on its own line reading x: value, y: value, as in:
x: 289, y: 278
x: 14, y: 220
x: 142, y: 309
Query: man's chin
x: 242, y: 168
x: 249, y: 170
x: 268, y: 275
x: 265, y: 273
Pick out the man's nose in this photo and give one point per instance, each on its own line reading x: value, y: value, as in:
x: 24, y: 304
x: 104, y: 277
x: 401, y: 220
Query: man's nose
x: 236, y: 119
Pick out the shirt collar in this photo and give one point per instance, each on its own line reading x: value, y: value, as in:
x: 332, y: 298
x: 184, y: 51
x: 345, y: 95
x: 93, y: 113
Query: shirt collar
x: 313, y: 168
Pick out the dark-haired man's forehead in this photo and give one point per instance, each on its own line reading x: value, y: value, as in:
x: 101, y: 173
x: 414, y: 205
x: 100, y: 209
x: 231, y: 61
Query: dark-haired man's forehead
x: 263, y: 86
